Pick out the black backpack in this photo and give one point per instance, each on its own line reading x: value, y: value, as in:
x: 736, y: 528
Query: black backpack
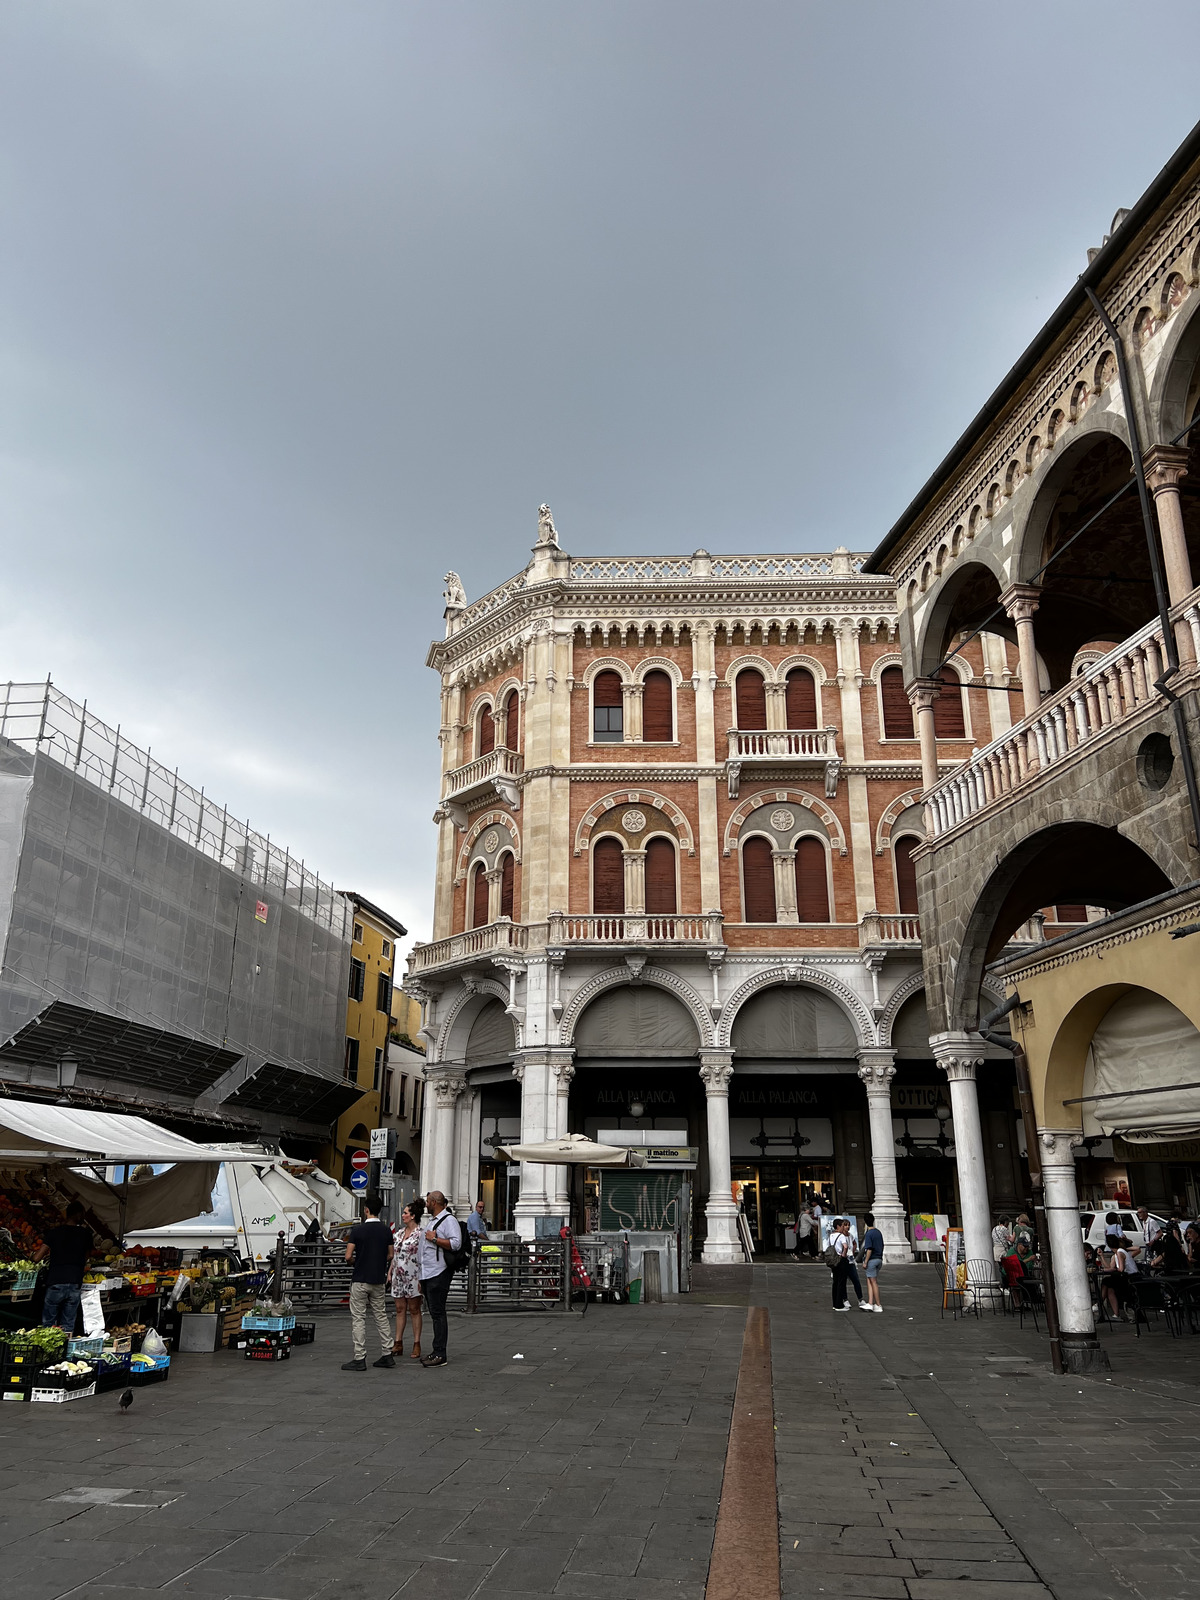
x: 456, y: 1260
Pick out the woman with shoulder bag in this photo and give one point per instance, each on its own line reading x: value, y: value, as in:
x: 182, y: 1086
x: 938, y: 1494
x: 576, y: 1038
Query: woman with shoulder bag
x: 405, y: 1283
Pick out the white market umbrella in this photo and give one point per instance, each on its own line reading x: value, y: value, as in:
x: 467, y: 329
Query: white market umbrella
x: 575, y: 1150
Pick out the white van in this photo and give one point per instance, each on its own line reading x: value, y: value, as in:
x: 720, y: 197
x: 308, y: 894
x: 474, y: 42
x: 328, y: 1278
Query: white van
x: 1094, y: 1223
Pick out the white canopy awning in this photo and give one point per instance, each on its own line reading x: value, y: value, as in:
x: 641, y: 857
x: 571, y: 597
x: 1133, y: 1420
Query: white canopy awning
x: 34, y: 1135
x: 575, y: 1151
x: 1143, y: 1070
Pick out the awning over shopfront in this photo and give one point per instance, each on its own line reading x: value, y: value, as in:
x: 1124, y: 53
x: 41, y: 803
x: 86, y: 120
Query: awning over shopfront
x: 1143, y: 1076
x: 575, y: 1151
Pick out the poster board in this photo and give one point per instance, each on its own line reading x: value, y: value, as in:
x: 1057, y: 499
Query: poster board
x: 927, y: 1229
x: 744, y: 1236
x: 954, y: 1282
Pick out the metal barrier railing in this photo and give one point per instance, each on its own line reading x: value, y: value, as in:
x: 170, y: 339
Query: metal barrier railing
x: 518, y: 1275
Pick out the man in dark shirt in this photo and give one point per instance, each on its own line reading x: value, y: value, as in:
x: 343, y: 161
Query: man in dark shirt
x: 70, y: 1245
x: 370, y: 1249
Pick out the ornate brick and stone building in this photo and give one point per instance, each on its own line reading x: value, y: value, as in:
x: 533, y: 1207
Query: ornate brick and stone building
x: 675, y: 887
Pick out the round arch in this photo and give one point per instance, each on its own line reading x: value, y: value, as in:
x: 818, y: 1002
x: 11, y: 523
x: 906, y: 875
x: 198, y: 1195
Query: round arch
x: 749, y: 663
x: 613, y: 978
x: 490, y: 819
x: 814, y: 978
x: 1057, y: 470
x: 794, y: 797
x: 970, y: 591
x: 633, y: 797
x: 456, y: 1025
x: 1174, y: 372
x: 893, y: 813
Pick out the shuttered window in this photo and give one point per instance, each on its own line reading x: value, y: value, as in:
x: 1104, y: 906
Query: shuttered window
x: 906, y: 876
x: 1070, y: 913
x: 758, y: 877
x: 513, y: 726
x: 897, y: 712
x: 508, y: 871
x: 608, y: 877
x: 948, y: 707
x: 660, y: 878
x: 801, y: 699
x: 751, y: 702
x: 608, y: 723
x: 487, y: 732
x: 812, y: 881
x: 479, y: 898
x: 657, y: 719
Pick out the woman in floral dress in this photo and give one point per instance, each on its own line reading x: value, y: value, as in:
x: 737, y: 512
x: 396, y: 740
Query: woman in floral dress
x: 405, y: 1280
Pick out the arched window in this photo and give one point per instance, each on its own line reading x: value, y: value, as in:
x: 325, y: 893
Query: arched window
x: 801, y: 699
x: 608, y: 876
x: 608, y: 721
x: 507, y: 874
x: 512, y: 707
x: 751, y: 700
x: 658, y: 719
x: 660, y: 878
x: 758, y: 878
x: 479, y: 896
x: 897, y: 712
x: 906, y: 875
x: 487, y: 732
x: 812, y: 881
x: 948, y: 720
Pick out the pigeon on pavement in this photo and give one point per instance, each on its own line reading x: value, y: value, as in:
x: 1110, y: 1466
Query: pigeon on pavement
x: 126, y: 1400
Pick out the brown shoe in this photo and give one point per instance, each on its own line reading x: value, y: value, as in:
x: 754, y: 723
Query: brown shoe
x: 397, y: 1348
x: 415, y: 1352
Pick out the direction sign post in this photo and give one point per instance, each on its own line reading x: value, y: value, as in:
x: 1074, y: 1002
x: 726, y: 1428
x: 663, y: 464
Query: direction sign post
x: 379, y: 1143
x: 387, y: 1173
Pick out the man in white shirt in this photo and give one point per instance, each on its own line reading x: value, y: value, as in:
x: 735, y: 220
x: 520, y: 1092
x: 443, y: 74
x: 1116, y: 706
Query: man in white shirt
x: 1147, y: 1224
x: 843, y: 1247
x: 442, y: 1238
x: 806, y: 1234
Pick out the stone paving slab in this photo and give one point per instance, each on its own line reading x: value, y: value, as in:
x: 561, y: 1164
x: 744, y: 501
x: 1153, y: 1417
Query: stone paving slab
x: 590, y: 1469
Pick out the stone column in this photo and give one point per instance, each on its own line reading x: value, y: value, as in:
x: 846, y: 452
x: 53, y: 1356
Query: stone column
x: 448, y: 1086
x: 631, y: 698
x: 1165, y: 466
x: 776, y: 697
x: 539, y: 1122
x: 784, y: 862
x: 563, y: 1071
x: 495, y: 883
x: 1081, y: 1350
x: 922, y: 694
x: 722, y: 1246
x: 1020, y: 601
x: 877, y: 1068
x: 959, y: 1059
x: 635, y: 882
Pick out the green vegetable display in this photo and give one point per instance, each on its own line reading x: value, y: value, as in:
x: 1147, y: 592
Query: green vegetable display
x: 49, y: 1340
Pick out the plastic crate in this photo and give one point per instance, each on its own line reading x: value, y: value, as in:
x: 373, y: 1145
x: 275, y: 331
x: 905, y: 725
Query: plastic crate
x: 267, y: 1324
x: 119, y: 1343
x: 66, y: 1380
x: 27, y: 1357
x: 139, y: 1377
x: 89, y: 1345
x: 304, y: 1333
x: 57, y: 1396
x: 269, y: 1352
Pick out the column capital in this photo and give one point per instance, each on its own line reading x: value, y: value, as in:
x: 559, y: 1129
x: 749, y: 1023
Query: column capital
x: 783, y: 855
x: 958, y: 1054
x: 1165, y: 465
x: 716, y: 1071
x: 447, y: 1086
x: 922, y: 692
x: 1059, y: 1146
x: 564, y: 1071
x: 877, y: 1068
x: 1021, y: 600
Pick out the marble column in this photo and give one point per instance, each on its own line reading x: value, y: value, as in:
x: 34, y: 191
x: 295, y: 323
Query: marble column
x: 448, y: 1087
x: 877, y: 1068
x: 1020, y: 601
x: 922, y: 694
x: 959, y: 1058
x: 784, y: 863
x: 722, y: 1247
x: 1077, y: 1328
x: 563, y: 1071
x: 635, y: 882
x: 540, y: 1184
x: 1165, y: 466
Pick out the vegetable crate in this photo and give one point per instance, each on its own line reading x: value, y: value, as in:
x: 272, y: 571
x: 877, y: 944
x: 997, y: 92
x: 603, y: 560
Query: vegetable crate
x: 57, y: 1396
x: 267, y: 1324
x: 142, y: 1374
x: 91, y: 1345
x: 113, y: 1372
x: 304, y: 1333
x: 269, y: 1352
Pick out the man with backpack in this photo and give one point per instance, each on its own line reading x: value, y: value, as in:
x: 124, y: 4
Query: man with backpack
x: 443, y: 1252
x: 839, y: 1258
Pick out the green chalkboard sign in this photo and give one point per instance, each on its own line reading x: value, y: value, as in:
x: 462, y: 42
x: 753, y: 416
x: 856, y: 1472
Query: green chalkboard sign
x: 641, y: 1201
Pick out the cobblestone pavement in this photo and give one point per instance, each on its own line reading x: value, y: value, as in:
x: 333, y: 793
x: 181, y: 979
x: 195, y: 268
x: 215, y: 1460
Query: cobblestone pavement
x: 920, y: 1457
x: 590, y: 1469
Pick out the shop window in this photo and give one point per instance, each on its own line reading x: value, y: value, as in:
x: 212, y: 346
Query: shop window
x: 512, y: 724
x: 608, y: 720
x: 906, y: 875
x: 507, y: 875
x: 350, y: 1063
x: 948, y: 719
x: 658, y: 723
x: 358, y: 978
x: 897, y: 709
x: 660, y: 878
x: 758, y: 879
x: 487, y: 732
x: 801, y: 699
x: 812, y: 881
x: 479, y: 896
x: 751, y: 691
x: 608, y: 877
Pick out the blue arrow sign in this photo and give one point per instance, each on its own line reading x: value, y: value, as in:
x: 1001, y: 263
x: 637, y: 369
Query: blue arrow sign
x: 358, y: 1181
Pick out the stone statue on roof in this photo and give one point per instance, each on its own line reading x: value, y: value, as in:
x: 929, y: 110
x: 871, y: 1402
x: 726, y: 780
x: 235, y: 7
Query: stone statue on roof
x: 454, y: 594
x: 547, y: 532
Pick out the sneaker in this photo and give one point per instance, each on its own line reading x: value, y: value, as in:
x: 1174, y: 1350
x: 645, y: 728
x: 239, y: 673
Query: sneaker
x: 385, y: 1361
x: 354, y: 1366
x: 865, y: 1305
x: 841, y: 1308
x: 878, y: 1309
x: 433, y: 1361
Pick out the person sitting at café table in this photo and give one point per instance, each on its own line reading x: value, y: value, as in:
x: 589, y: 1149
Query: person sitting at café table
x: 1167, y: 1252
x: 1118, y: 1292
x: 1191, y: 1243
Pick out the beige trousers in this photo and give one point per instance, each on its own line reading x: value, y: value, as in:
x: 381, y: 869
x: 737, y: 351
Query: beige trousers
x: 373, y: 1295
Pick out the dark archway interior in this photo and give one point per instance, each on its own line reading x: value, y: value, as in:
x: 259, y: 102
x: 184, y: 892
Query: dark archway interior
x: 1074, y: 863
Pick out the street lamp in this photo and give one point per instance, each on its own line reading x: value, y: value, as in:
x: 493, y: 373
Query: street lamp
x: 68, y: 1067
x: 636, y: 1108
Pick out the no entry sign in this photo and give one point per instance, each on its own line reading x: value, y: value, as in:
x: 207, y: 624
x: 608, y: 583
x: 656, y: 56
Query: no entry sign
x: 360, y: 1161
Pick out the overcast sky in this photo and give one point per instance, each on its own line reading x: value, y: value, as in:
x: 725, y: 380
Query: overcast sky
x: 301, y: 304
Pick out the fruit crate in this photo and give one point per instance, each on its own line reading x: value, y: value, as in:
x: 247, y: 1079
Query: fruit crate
x: 117, y: 1344
x: 269, y: 1352
x: 85, y: 1345
x: 57, y: 1396
x: 251, y: 1323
